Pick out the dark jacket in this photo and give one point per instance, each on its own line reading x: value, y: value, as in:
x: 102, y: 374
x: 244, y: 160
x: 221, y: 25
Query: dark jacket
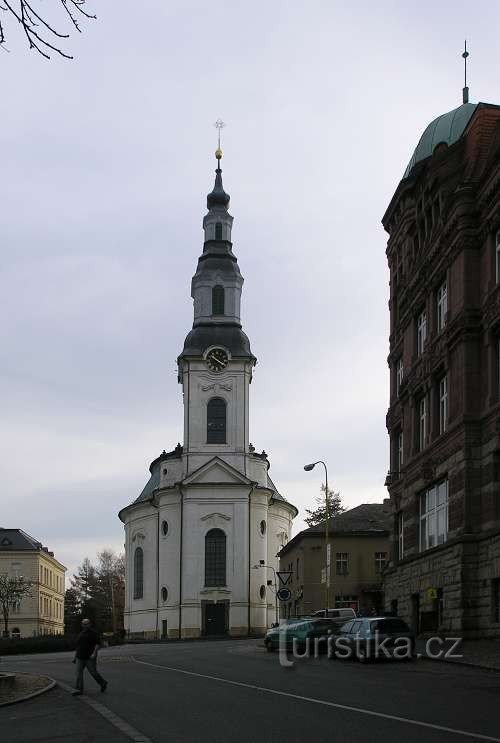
x: 86, y: 643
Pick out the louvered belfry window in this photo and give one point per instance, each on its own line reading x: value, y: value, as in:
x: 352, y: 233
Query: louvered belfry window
x: 216, y: 421
x: 218, y: 300
x: 218, y: 230
x: 138, y: 573
x: 215, y: 558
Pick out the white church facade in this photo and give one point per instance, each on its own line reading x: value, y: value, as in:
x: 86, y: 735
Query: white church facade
x: 201, y: 540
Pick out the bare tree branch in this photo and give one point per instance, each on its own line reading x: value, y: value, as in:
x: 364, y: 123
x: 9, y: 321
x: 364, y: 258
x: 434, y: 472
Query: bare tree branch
x: 41, y: 35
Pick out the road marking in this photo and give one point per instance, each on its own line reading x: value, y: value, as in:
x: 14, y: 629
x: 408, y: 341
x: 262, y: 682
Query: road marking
x: 110, y: 716
x: 323, y: 702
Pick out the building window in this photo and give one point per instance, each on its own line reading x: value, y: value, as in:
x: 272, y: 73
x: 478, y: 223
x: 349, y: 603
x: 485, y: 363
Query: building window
x: 262, y: 592
x: 421, y: 332
x: 216, y: 421
x: 215, y: 558
x: 443, y: 404
x: 497, y: 257
x: 401, y: 544
x: 399, y: 375
x: 164, y: 528
x: 442, y: 306
x: 380, y: 561
x: 297, y: 572
x: 218, y: 230
x: 495, y: 586
x: 218, y: 300
x: 422, y: 423
x: 434, y: 516
x: 138, y: 573
x: 399, y: 445
x: 342, y: 563
x: 164, y: 594
x: 263, y: 527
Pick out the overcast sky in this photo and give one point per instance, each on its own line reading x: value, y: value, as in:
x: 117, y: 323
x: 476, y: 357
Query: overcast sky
x: 105, y: 165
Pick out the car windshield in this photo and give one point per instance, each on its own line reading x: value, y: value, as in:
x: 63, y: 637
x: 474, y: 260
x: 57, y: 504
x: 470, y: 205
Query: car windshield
x: 389, y: 625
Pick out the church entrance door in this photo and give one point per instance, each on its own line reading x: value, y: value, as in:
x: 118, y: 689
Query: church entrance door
x: 215, y: 619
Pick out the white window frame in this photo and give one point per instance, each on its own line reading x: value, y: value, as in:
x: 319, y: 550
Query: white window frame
x: 380, y: 561
x: 421, y: 332
x: 497, y: 257
x: 399, y: 374
x: 342, y: 563
x: 442, y: 306
x: 422, y: 423
x: 434, y: 516
x: 443, y: 404
x: 401, y: 531
x: 400, y: 458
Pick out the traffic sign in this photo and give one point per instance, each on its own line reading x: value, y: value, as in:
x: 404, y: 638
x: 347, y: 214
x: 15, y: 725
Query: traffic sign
x: 284, y: 594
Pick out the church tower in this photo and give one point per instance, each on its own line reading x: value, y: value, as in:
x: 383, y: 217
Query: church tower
x: 201, y: 540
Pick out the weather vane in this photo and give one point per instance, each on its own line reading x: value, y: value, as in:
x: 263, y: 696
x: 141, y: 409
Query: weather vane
x: 465, y: 91
x: 219, y: 124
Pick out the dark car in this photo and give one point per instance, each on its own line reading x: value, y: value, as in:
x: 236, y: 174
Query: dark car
x: 304, y: 634
x: 373, y: 638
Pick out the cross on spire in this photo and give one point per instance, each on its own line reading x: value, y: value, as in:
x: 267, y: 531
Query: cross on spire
x: 219, y: 124
x: 465, y: 91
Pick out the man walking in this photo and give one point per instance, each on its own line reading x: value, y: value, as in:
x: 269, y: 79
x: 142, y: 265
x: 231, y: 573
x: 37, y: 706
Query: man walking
x: 87, y: 644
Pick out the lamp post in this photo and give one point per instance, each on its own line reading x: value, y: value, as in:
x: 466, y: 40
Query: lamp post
x: 308, y: 468
x: 270, y: 567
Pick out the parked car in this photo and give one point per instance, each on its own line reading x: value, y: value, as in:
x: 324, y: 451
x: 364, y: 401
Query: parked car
x: 314, y: 630
x: 372, y: 638
x: 344, y: 613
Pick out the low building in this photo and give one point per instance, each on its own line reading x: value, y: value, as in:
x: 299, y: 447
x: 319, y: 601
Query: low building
x: 42, y: 613
x: 359, y: 550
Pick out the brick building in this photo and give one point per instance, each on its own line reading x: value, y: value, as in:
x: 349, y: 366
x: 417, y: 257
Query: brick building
x: 444, y: 415
x: 359, y: 548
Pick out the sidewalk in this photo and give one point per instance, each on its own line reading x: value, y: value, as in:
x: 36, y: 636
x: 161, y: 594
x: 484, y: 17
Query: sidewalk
x: 481, y: 653
x: 56, y: 715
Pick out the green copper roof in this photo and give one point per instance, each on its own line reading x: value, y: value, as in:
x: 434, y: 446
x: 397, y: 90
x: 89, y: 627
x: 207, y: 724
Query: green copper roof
x: 447, y: 128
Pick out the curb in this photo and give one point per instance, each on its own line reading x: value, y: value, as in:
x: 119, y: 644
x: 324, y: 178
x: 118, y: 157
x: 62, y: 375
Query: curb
x: 462, y: 663
x: 34, y: 694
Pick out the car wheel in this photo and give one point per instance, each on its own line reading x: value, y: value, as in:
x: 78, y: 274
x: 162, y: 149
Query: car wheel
x: 269, y: 647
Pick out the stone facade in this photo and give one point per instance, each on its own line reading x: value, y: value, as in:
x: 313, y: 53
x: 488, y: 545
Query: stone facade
x: 444, y: 416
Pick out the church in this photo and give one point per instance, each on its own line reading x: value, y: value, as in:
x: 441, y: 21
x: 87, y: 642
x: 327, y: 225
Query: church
x: 201, y: 540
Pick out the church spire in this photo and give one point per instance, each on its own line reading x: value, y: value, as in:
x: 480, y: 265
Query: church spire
x: 218, y: 197
x: 465, y: 90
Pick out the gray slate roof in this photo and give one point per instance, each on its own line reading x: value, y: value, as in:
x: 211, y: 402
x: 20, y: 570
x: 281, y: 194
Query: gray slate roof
x: 16, y: 539
x: 368, y: 517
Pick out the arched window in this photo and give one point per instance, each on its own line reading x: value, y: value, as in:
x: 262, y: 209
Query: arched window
x: 215, y: 558
x: 218, y: 230
x: 216, y: 421
x: 138, y: 573
x: 218, y: 300
x: 497, y: 256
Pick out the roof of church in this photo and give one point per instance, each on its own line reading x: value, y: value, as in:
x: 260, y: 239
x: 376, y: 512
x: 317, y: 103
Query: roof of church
x: 363, y: 520
x: 218, y: 197
x: 212, y: 334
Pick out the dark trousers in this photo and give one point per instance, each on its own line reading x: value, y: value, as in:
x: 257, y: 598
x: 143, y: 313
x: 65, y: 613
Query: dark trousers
x: 90, y: 665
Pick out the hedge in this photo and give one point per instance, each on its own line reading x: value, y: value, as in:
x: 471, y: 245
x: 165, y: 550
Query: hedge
x: 42, y: 644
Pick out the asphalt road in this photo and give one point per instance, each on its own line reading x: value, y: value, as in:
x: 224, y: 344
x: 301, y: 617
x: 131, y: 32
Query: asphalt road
x: 233, y: 691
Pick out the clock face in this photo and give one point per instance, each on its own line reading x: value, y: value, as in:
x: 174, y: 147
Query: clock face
x: 216, y: 359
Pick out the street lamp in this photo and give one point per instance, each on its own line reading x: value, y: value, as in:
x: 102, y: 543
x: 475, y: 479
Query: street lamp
x: 308, y: 468
x: 270, y: 567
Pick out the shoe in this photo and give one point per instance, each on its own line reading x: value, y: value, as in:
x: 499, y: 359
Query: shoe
x: 77, y: 693
x: 104, y: 686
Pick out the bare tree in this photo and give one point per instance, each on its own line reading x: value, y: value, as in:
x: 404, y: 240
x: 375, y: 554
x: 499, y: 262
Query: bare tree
x: 42, y: 35
x: 12, y: 591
